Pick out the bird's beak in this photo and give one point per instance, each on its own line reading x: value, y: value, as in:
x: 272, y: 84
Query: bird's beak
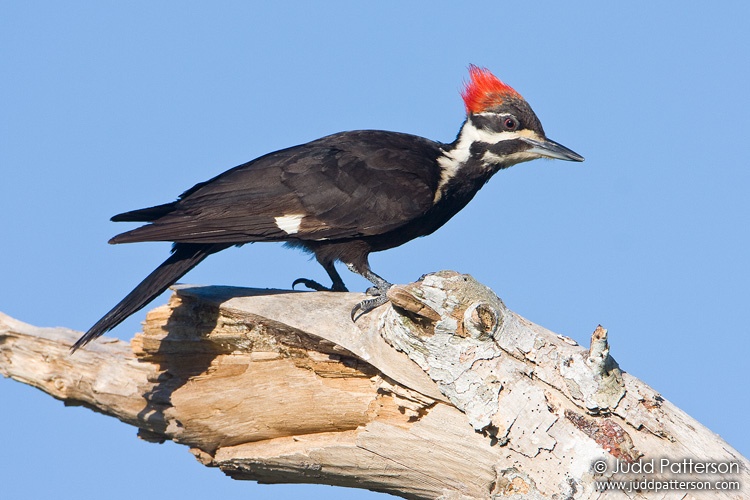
x: 551, y: 149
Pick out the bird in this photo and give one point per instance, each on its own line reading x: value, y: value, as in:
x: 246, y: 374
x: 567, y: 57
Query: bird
x: 340, y: 197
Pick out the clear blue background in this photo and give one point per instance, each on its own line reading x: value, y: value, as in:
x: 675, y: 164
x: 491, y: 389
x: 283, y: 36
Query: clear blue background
x: 112, y: 106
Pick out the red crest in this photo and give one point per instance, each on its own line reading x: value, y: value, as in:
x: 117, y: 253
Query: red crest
x: 485, y: 90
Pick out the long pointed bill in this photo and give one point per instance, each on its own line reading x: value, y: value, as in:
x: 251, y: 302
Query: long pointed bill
x: 551, y: 149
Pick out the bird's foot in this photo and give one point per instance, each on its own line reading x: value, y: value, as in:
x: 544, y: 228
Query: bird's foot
x: 380, y: 297
x: 314, y: 285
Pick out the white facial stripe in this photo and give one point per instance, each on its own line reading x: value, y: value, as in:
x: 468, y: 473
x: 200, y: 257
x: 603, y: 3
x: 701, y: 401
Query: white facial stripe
x: 451, y: 161
x: 490, y: 113
x: 489, y: 158
x: 289, y: 223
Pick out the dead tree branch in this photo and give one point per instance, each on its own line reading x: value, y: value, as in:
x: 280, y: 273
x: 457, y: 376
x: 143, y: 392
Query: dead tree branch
x: 443, y: 394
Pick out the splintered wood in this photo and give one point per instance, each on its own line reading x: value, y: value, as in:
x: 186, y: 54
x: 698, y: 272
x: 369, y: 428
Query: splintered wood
x: 444, y: 393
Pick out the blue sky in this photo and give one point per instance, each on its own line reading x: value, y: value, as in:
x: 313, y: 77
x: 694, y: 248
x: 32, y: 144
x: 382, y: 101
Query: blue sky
x: 108, y: 107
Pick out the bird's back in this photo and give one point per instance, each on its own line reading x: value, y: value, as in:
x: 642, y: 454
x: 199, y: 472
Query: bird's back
x: 345, y: 185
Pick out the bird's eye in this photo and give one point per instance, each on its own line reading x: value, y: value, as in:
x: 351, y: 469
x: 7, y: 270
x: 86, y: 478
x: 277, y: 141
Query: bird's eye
x: 510, y: 123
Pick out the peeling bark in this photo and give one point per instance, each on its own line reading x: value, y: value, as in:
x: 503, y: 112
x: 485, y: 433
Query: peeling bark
x: 444, y: 393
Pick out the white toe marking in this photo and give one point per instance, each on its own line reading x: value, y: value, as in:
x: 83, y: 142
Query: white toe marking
x: 289, y: 223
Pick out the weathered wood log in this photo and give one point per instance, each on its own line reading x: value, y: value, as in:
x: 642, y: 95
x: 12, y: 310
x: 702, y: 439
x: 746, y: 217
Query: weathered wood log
x: 444, y: 393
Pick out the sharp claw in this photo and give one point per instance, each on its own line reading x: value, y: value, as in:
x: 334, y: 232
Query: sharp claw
x: 312, y: 285
x: 354, y: 311
x: 369, y: 304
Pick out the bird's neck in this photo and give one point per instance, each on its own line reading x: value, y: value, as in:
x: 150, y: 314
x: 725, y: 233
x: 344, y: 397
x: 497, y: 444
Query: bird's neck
x: 467, y: 163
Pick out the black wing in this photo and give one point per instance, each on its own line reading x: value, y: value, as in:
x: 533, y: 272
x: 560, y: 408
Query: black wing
x: 346, y: 185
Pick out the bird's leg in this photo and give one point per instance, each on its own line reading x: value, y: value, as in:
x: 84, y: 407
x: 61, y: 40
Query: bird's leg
x: 337, y: 286
x: 379, y: 291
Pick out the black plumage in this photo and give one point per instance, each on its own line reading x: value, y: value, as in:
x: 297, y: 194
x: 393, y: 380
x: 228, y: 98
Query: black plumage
x: 340, y: 197
x: 346, y: 185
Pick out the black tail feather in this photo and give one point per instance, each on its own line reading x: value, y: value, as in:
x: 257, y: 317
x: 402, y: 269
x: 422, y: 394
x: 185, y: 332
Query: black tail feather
x: 185, y: 256
x: 145, y: 214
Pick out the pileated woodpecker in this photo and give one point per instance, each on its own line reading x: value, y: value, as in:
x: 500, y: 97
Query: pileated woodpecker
x: 340, y: 197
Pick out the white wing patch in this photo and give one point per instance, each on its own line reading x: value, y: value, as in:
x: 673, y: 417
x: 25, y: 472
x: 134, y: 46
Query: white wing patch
x: 289, y: 223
